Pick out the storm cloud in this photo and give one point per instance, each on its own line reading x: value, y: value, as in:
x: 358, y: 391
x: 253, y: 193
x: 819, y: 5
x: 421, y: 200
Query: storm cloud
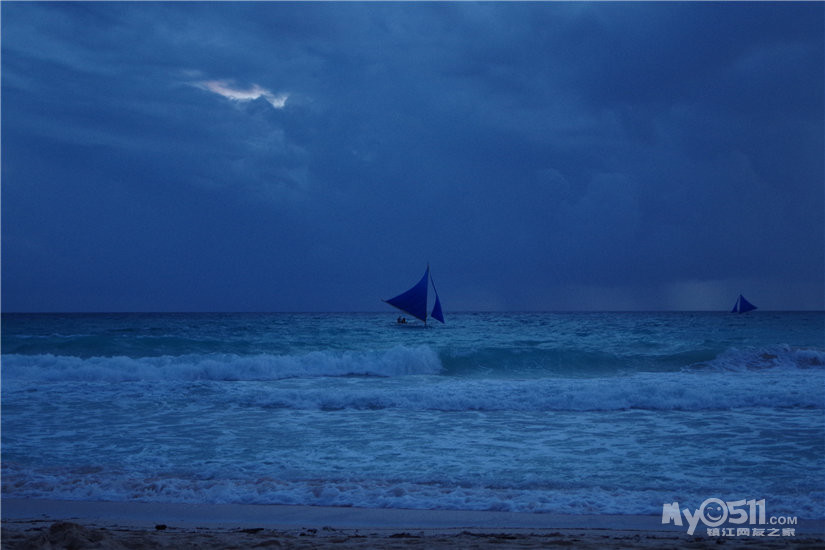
x: 315, y: 156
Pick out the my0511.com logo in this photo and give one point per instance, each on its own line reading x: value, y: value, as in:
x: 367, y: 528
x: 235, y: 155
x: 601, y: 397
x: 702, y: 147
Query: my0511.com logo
x: 715, y: 513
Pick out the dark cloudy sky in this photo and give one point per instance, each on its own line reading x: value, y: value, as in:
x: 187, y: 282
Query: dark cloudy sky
x: 315, y: 156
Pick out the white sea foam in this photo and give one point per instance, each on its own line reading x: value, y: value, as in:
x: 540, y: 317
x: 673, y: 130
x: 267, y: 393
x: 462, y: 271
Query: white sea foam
x: 773, y: 357
x: 774, y: 377
x: 398, y: 360
x: 395, y: 361
x: 378, y: 493
x: 650, y: 391
x: 607, y: 413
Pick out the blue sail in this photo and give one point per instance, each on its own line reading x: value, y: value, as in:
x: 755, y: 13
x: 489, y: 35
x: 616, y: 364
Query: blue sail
x: 742, y: 305
x: 437, y: 313
x: 414, y: 301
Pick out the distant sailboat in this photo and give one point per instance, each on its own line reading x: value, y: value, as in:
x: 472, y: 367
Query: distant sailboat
x: 414, y: 301
x: 742, y: 305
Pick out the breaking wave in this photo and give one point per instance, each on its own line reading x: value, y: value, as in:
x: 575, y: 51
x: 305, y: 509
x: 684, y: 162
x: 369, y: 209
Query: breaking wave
x: 648, y: 391
x: 780, y: 376
x: 396, y: 361
x: 774, y: 357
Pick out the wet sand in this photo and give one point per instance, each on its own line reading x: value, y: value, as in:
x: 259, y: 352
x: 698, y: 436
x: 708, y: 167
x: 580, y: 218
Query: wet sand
x: 41, y: 524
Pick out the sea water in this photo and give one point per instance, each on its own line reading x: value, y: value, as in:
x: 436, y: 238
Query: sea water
x: 614, y: 413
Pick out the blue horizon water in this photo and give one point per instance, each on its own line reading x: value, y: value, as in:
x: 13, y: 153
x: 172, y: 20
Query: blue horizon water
x: 579, y: 412
x: 384, y: 311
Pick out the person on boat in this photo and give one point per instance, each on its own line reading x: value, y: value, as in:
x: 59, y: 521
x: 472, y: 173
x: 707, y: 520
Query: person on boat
x: 401, y: 320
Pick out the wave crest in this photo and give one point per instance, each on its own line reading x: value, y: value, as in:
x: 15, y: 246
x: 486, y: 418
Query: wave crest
x: 396, y: 361
x: 678, y: 391
x: 774, y: 357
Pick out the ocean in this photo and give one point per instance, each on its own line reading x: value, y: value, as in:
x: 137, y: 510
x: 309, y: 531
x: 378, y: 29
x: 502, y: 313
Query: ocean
x: 571, y: 413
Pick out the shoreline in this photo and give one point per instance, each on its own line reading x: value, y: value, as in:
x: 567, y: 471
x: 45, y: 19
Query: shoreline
x: 34, y: 523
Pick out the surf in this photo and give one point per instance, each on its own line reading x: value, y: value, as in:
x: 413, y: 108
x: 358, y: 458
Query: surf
x: 395, y: 361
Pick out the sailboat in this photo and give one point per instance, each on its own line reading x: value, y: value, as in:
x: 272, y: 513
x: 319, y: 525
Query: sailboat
x: 742, y: 305
x: 414, y: 301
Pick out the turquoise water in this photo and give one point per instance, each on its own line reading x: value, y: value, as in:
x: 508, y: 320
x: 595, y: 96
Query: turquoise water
x: 545, y: 412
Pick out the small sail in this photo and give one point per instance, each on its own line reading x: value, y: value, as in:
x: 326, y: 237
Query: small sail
x: 437, y: 313
x: 742, y: 305
x: 414, y: 301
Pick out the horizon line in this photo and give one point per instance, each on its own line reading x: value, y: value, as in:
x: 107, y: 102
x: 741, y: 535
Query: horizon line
x: 364, y: 312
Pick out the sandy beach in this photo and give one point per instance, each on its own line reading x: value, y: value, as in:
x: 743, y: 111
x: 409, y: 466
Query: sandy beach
x: 116, y: 525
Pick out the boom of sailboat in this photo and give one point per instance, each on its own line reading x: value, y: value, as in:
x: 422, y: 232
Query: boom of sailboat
x: 414, y: 301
